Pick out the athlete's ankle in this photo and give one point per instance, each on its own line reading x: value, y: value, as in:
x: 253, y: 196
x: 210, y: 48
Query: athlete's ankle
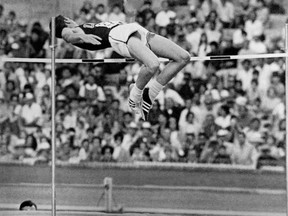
x: 135, y: 94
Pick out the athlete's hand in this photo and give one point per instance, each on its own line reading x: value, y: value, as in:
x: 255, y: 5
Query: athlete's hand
x: 92, y: 39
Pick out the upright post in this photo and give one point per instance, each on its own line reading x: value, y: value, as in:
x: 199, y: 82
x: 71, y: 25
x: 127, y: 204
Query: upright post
x: 53, y: 140
x: 108, y: 194
x: 286, y: 116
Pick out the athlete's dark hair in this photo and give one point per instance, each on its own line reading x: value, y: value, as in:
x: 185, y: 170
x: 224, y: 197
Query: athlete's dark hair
x: 59, y: 25
x: 27, y: 203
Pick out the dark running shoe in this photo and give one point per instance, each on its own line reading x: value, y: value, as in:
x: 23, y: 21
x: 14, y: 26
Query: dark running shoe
x: 146, y: 104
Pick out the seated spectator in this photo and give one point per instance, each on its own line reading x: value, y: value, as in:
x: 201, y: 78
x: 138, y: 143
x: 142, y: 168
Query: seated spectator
x: 278, y: 113
x: 242, y: 152
x: 253, y: 133
x: 84, y: 150
x: 208, y: 153
x: 209, y: 127
x: 226, y: 14
x: 239, y: 35
x: 253, y: 93
x: 277, y: 84
x: 245, y: 74
x: 70, y: 117
x: 91, y: 90
x: 222, y: 157
x: 146, y: 12
x: 212, y: 33
x: 171, y: 110
x: 204, y: 47
x: 139, y: 154
x: 119, y: 153
x: 6, y: 155
x: 31, y: 113
x: 107, y: 154
x: 263, y: 12
x: 280, y: 130
x: 270, y: 100
x: 30, y: 147
x: 15, y: 111
x: 116, y: 14
x: 82, y: 17
x: 193, y: 34
x: 224, y: 118
x: 257, y: 45
x: 101, y: 13
x: 190, y: 126
x: 11, y: 21
x: 2, y: 18
x: 10, y: 90
x: 253, y: 27
x: 38, y: 38
x: 163, y: 17
x: 95, y: 150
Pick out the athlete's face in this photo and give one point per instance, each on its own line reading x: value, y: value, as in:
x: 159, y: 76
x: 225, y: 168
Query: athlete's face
x: 70, y: 23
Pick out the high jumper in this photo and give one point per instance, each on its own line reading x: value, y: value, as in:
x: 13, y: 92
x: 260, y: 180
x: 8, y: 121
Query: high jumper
x: 129, y: 40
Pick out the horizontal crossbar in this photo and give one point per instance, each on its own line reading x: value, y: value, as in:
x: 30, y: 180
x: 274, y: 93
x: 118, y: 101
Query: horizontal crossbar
x: 131, y: 60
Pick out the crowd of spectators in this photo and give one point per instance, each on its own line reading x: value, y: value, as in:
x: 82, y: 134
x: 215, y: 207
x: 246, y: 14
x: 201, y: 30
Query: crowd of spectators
x: 230, y: 112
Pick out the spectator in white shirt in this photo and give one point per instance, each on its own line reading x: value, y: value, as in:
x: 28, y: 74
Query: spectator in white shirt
x: 101, y: 13
x: 239, y: 36
x: 31, y: 112
x: 116, y: 14
x: 212, y: 33
x: 245, y: 74
x: 163, y: 17
x: 226, y: 13
x: 263, y: 13
x: 257, y: 45
x: 253, y: 27
x: 224, y: 118
x: 242, y: 152
x: 193, y: 34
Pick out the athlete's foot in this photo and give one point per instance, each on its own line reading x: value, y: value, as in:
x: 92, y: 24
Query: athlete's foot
x: 146, y: 104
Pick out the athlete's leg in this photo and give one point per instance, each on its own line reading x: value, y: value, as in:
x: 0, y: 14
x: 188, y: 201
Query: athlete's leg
x: 151, y: 63
x: 142, y: 53
x: 164, y: 47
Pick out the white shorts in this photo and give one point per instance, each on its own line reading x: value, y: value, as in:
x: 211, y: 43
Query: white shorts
x: 119, y: 36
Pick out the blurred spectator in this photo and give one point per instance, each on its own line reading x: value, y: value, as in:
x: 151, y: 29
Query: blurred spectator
x: 193, y: 34
x: 239, y: 35
x: 146, y: 12
x: 242, y: 152
x: 31, y: 113
x: 263, y: 13
x: 204, y: 47
x: 163, y: 17
x: 116, y: 14
x: 101, y: 13
x: 212, y: 33
x: 1, y: 15
x: 253, y: 27
x: 225, y: 10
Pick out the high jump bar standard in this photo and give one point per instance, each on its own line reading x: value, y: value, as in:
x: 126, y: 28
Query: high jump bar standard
x: 131, y: 60
x: 286, y: 115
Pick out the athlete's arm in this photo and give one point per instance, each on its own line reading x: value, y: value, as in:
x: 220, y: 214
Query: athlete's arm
x: 73, y: 37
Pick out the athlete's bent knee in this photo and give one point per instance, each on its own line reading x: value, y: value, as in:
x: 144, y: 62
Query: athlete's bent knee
x: 185, y: 57
x: 153, y: 67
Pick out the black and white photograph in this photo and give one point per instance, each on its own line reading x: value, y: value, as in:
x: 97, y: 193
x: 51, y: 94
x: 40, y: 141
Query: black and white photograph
x: 143, y: 107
